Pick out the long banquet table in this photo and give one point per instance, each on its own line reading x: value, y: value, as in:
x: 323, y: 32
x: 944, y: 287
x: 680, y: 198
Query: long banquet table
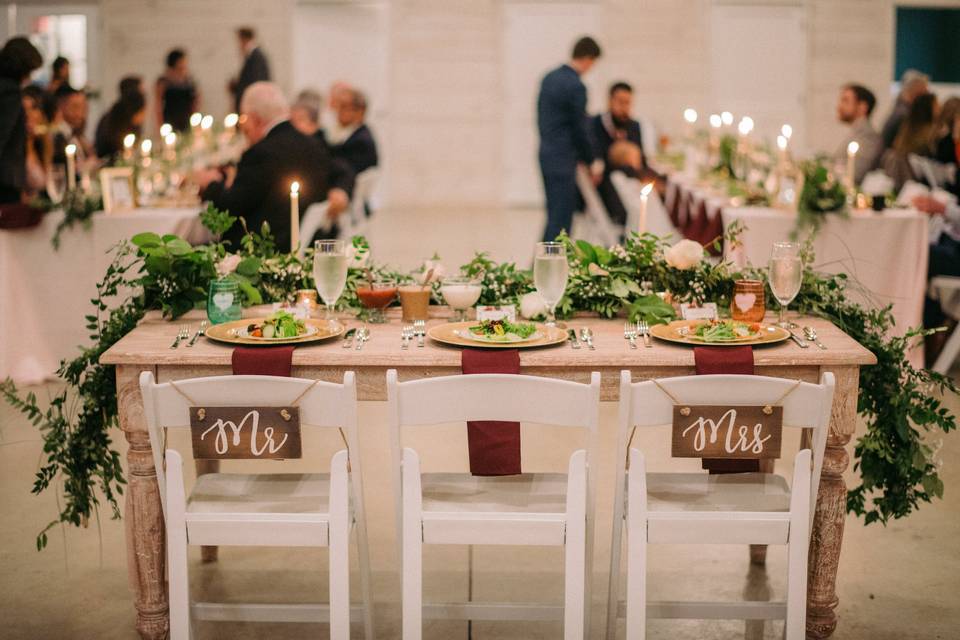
x: 45, y: 293
x: 146, y: 348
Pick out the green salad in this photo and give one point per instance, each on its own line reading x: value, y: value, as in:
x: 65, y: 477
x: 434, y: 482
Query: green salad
x: 503, y: 330
x: 280, y: 324
x: 725, y: 330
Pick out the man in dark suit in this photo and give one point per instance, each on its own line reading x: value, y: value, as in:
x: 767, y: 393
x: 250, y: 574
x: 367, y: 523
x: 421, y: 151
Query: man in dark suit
x: 607, y: 128
x: 259, y: 191
x: 564, y: 139
x: 357, y: 146
x: 255, y: 66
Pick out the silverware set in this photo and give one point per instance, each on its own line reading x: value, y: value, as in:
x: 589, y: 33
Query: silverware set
x: 182, y: 334
x: 811, y: 334
x: 196, y: 336
x: 406, y: 336
x: 572, y: 337
x: 639, y: 329
x: 363, y: 334
x: 348, y: 338
x: 586, y: 334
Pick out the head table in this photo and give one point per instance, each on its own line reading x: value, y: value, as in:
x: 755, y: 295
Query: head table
x: 147, y: 348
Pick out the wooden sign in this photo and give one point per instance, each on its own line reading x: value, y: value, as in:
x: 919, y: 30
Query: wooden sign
x: 245, y: 433
x: 718, y: 431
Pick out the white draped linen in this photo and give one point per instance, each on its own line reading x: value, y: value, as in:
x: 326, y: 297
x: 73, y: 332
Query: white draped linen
x: 45, y: 293
x: 885, y: 253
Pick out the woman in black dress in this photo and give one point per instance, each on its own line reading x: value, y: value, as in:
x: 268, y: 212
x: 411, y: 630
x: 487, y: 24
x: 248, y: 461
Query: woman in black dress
x: 125, y: 116
x: 18, y: 59
x: 176, y: 93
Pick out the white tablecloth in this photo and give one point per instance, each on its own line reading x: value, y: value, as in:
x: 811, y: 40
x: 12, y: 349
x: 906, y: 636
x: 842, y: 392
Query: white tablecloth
x: 45, y: 293
x: 886, y: 253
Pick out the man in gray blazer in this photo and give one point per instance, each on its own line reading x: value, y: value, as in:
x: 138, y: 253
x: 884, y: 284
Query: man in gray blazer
x: 255, y: 66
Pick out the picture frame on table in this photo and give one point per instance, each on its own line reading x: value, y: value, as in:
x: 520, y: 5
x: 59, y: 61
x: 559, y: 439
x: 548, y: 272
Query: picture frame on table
x: 118, y: 189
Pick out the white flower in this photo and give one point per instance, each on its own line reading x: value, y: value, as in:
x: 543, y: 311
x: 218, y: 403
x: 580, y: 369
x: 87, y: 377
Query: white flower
x: 228, y: 265
x: 426, y: 277
x: 531, y: 305
x: 596, y: 270
x: 686, y: 254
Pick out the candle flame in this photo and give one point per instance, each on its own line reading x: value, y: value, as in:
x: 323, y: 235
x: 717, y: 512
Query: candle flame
x: 727, y: 118
x: 782, y: 143
x: 647, y: 188
x: 165, y: 129
x: 787, y: 131
x: 231, y: 120
x: 129, y: 140
x: 853, y: 147
x: 746, y: 125
x: 294, y: 188
x: 206, y: 122
x: 146, y: 146
x: 690, y: 115
x: 715, y: 120
x: 71, y: 149
x: 170, y: 139
x: 195, y: 119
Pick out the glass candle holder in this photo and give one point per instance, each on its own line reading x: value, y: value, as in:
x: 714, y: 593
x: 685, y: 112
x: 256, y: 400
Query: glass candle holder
x: 747, y: 304
x: 223, y: 301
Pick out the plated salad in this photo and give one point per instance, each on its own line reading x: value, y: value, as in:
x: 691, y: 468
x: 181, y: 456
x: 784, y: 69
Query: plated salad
x: 502, y: 331
x: 280, y: 324
x: 725, y: 330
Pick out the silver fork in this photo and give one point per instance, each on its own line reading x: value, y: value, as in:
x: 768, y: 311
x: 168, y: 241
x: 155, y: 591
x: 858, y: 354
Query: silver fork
x: 630, y: 333
x: 406, y: 335
x: 363, y: 334
x: 420, y: 329
x: 644, y: 329
x: 203, y: 327
x: 182, y: 334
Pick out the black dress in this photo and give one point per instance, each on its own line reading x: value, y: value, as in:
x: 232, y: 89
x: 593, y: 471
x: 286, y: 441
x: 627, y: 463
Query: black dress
x: 13, y: 141
x: 178, y: 100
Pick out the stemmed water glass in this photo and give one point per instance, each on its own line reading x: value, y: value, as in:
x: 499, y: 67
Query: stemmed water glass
x: 330, y: 263
x: 785, y: 275
x: 550, y: 270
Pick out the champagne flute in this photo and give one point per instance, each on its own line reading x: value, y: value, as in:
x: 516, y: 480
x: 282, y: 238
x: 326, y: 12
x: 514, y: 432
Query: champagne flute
x: 786, y: 275
x: 550, y: 270
x: 330, y: 263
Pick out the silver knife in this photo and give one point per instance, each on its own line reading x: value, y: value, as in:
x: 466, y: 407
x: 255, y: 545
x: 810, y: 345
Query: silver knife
x: 348, y: 338
x: 800, y: 343
x: 572, y: 337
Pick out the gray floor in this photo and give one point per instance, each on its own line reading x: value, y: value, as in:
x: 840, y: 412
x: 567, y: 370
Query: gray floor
x: 902, y: 581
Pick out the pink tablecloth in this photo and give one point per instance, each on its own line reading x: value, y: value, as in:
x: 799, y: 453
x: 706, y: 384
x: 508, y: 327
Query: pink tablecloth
x: 45, y: 294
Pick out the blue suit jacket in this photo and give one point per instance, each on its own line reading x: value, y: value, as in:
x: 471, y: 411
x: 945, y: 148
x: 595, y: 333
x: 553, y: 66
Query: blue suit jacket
x: 562, y: 121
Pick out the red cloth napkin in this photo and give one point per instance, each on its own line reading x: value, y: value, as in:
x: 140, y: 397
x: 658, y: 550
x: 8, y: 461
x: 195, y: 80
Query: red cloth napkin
x: 494, y: 446
x: 262, y: 361
x: 730, y: 361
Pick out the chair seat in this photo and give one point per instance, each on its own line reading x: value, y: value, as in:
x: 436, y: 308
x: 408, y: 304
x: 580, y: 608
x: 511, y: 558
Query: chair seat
x: 460, y: 508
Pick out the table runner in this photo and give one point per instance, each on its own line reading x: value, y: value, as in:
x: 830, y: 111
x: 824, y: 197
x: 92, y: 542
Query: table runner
x: 262, y: 361
x: 494, y: 446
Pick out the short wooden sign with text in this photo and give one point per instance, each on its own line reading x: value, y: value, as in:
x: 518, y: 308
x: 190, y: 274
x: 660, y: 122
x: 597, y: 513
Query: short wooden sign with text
x: 717, y: 431
x: 245, y: 433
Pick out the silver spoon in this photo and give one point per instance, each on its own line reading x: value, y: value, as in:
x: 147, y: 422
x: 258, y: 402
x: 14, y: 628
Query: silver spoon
x: 811, y: 334
x: 587, y: 336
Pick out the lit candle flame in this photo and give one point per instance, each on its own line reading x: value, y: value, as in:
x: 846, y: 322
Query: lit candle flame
x: 690, y: 115
x: 782, y: 143
x: 231, y: 120
x: 165, y: 129
x: 129, y: 140
x: 746, y: 125
x: 170, y: 139
x: 206, y: 122
x: 715, y: 121
x: 852, y: 148
x: 294, y: 188
x: 787, y: 131
x: 71, y: 149
x: 647, y: 188
x: 727, y: 118
x: 195, y: 119
x: 146, y: 147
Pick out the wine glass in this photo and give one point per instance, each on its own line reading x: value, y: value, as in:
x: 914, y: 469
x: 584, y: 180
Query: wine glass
x: 550, y: 270
x: 786, y: 275
x: 330, y: 263
x: 56, y: 183
x: 460, y: 293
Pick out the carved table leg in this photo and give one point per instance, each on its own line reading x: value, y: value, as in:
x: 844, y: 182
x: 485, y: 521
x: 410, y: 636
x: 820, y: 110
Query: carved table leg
x: 146, y: 559
x: 831, y: 509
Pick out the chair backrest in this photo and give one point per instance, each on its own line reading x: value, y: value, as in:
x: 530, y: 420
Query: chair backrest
x: 602, y: 230
x: 363, y: 187
x: 807, y: 406
x: 658, y: 221
x: 322, y: 405
x: 314, y: 219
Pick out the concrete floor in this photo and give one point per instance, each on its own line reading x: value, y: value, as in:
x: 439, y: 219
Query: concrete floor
x: 898, y: 582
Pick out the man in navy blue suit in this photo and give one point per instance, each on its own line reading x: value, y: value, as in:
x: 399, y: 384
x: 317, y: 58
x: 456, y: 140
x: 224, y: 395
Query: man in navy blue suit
x: 564, y: 137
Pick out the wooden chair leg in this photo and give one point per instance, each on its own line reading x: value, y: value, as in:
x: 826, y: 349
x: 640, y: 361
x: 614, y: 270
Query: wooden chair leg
x: 575, y: 550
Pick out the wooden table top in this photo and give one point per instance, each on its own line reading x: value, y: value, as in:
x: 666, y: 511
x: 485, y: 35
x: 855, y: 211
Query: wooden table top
x: 149, y: 345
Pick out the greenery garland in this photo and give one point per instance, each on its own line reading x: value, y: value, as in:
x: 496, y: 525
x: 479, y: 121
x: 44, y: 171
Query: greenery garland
x: 896, y: 458
x: 78, y: 208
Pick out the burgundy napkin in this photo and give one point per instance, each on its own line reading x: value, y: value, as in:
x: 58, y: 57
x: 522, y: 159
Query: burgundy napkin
x: 730, y: 361
x: 696, y: 220
x: 494, y: 446
x: 262, y: 361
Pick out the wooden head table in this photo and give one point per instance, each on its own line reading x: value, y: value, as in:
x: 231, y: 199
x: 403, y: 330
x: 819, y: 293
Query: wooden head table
x: 146, y: 348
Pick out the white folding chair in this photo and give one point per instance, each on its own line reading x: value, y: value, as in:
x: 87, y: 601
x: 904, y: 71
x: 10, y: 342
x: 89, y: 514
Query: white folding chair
x: 658, y: 221
x: 355, y: 221
x: 551, y: 509
x: 292, y: 509
x: 599, y: 228
x: 696, y: 508
x: 314, y: 219
x: 948, y: 290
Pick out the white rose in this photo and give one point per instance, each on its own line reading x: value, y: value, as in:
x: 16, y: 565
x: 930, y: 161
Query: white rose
x: 438, y: 272
x: 228, y: 265
x: 686, y: 254
x: 531, y: 305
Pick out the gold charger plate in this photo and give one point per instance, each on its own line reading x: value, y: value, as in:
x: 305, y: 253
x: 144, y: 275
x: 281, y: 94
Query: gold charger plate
x: 675, y: 332
x: 450, y: 334
x: 227, y: 332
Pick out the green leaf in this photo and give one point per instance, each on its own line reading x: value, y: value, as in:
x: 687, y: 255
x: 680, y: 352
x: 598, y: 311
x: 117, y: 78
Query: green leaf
x: 933, y: 485
x: 158, y: 264
x: 586, y: 251
x: 619, y: 288
x: 604, y: 257
x: 651, y: 309
x: 146, y: 239
x: 179, y: 247
x: 249, y: 266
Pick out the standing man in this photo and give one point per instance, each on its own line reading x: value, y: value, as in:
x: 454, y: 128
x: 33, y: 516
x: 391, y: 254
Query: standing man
x: 564, y: 139
x: 255, y: 66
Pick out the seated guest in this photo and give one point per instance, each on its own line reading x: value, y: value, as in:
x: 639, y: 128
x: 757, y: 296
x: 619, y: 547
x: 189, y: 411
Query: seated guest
x: 357, y: 147
x: 70, y: 126
x: 177, y: 96
x: 948, y: 133
x: 126, y: 116
x: 328, y: 119
x: 259, y: 190
x: 916, y: 136
x: 305, y: 113
x: 944, y: 260
x: 39, y: 145
x: 624, y: 156
x: 912, y: 84
x: 18, y: 59
x: 854, y: 108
